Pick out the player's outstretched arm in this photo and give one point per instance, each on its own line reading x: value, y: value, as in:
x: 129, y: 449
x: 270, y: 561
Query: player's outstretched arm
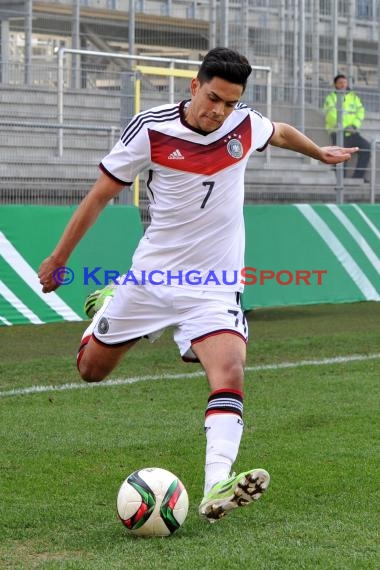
x: 104, y: 189
x: 286, y: 136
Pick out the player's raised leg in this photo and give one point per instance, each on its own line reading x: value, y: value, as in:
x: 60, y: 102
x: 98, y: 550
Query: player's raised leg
x: 95, y: 360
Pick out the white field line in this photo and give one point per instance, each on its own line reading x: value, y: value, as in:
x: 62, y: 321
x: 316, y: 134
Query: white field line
x: 134, y: 379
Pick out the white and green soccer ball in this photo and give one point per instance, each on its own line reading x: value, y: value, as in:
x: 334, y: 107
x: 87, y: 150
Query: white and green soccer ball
x: 152, y: 502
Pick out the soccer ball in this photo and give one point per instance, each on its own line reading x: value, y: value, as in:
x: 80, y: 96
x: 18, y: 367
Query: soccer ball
x: 152, y: 502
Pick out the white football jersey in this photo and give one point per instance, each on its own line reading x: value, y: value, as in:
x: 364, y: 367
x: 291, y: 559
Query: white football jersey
x: 196, y: 192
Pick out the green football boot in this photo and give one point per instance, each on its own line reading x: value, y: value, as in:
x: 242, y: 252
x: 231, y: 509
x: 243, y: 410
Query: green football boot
x: 94, y: 301
x: 237, y: 491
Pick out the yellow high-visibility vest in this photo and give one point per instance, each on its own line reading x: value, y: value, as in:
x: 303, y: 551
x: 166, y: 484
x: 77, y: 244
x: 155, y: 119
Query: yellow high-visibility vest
x: 353, y: 111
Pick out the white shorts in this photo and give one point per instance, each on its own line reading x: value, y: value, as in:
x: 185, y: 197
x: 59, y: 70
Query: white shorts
x: 141, y: 310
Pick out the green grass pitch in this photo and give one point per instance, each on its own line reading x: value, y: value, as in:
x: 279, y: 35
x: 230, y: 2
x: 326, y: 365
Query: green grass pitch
x: 315, y: 428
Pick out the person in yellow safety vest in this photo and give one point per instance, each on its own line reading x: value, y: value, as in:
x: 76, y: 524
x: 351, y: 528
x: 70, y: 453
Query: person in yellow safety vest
x: 353, y: 113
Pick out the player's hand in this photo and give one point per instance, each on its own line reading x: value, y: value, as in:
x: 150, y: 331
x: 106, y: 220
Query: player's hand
x: 336, y: 154
x: 46, y: 274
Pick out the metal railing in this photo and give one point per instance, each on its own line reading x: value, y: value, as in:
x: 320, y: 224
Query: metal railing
x: 172, y: 62
x: 112, y: 130
x: 373, y: 170
x: 60, y: 77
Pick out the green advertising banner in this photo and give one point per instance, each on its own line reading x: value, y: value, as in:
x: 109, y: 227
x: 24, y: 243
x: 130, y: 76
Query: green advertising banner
x: 28, y: 234
x: 307, y: 254
x: 295, y: 255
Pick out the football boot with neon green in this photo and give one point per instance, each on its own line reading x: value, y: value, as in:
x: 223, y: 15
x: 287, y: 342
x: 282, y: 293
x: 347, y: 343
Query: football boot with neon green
x: 237, y: 491
x: 94, y: 301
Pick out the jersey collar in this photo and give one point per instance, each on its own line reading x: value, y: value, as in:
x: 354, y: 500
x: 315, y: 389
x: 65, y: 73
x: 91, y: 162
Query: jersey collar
x: 182, y: 107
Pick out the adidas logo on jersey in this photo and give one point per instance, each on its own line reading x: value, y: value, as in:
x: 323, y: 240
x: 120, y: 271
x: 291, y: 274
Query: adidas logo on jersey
x: 176, y: 155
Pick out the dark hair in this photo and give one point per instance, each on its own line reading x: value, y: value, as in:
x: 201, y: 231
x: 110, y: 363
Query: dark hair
x: 339, y: 76
x: 226, y: 64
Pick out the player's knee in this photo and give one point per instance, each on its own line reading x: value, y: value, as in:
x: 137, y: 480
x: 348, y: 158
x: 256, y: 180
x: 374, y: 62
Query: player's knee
x: 233, y: 371
x: 90, y: 368
x: 90, y: 373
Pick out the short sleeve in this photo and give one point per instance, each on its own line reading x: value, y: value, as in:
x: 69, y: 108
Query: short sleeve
x: 129, y: 156
x: 262, y: 130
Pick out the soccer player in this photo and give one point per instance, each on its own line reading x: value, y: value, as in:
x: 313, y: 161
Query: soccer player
x: 196, y: 152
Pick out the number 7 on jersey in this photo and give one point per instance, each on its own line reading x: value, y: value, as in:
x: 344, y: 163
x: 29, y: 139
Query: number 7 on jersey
x: 210, y: 185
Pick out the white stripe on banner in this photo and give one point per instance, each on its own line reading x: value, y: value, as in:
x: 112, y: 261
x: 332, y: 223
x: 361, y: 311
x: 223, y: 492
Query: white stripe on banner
x: 367, y: 220
x: 200, y: 373
x: 340, y: 252
x: 5, y: 321
x: 18, y: 304
x: 27, y: 273
x: 356, y: 235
